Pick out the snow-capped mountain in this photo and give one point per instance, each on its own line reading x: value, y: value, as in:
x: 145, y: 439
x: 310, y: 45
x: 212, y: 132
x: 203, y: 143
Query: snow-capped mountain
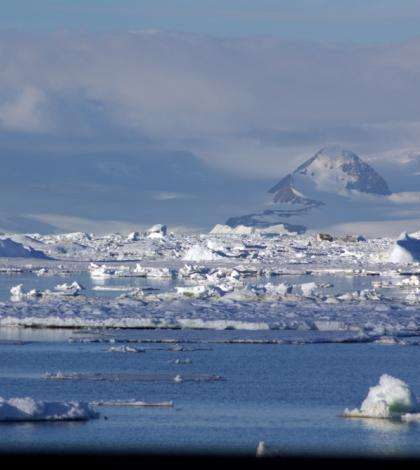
x: 333, y: 180
x: 331, y: 169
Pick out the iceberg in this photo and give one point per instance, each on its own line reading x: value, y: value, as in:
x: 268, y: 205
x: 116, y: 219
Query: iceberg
x: 391, y: 398
x: 12, y: 249
x: 406, y: 249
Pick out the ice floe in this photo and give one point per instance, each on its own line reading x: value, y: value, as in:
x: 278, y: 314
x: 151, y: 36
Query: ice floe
x: 133, y: 403
x: 28, y: 409
x: 200, y: 253
x: 125, y: 349
x: 391, y: 398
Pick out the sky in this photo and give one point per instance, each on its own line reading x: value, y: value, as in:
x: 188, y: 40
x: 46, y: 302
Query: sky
x: 353, y: 21
x: 185, y: 112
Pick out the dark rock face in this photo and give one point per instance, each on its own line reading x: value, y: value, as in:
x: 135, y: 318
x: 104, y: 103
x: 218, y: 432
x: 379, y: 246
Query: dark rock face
x: 355, y: 174
x: 369, y: 181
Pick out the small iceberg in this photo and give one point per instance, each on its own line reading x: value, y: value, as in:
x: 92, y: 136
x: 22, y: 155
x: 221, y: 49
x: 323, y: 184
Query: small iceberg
x: 406, y: 249
x: 72, y: 289
x: 17, y: 294
x: 157, y: 231
x: 125, y: 349
x: 392, y: 398
x: 28, y: 409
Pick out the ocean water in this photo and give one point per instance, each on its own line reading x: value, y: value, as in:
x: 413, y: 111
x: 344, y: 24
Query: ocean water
x: 290, y: 396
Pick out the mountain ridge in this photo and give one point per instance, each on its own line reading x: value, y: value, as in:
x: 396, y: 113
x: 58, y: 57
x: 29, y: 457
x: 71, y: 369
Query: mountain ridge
x: 332, y: 173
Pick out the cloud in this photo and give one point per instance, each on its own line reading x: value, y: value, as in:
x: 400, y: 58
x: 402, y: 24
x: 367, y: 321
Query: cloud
x: 252, y: 108
x: 25, y: 111
x: 246, y: 105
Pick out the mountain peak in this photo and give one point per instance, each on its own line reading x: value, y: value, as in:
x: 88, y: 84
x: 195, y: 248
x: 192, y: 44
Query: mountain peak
x: 332, y: 170
x: 323, y: 184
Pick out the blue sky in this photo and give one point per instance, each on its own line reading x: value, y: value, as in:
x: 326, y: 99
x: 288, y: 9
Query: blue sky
x: 357, y: 21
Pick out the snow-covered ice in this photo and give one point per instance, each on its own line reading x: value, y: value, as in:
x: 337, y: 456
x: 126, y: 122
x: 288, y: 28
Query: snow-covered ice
x: 406, y: 249
x: 391, y: 398
x: 12, y: 249
x: 217, y: 281
x: 28, y: 409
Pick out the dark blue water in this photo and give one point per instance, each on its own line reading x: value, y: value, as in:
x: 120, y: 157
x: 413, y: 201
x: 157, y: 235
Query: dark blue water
x: 289, y: 396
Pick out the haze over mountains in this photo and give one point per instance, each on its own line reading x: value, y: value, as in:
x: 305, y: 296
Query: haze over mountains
x: 334, y: 187
x: 118, y: 130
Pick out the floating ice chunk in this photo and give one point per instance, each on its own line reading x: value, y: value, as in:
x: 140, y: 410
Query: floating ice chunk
x: 182, y: 361
x: 200, y: 253
x: 133, y: 237
x: 27, y: 409
x: 113, y: 288
x: 193, y: 271
x: 153, y: 272
x: 406, y: 249
x: 134, y: 403
x: 308, y: 289
x: 391, y: 398
x: 410, y: 281
x: 125, y: 349
x: 193, y: 291
x: 105, y: 272
x: 388, y: 341
x: 157, y: 231
x: 42, y: 272
x: 69, y: 289
x: 17, y: 294
x: 270, y: 290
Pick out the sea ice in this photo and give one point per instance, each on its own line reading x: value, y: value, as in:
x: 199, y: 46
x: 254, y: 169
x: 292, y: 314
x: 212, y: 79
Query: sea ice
x: 200, y: 253
x: 406, y: 249
x: 69, y: 289
x: 27, y: 409
x: 391, y: 398
x: 133, y: 403
x: 11, y: 249
x: 125, y: 349
x: 17, y: 294
x: 157, y: 231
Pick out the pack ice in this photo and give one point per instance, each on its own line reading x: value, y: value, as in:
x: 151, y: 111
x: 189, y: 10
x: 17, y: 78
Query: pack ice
x: 253, y: 281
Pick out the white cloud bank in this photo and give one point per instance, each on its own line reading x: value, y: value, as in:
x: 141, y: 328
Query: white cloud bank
x: 248, y: 105
x: 251, y: 107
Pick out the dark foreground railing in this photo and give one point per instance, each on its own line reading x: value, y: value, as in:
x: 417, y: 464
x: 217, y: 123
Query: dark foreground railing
x: 132, y: 461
